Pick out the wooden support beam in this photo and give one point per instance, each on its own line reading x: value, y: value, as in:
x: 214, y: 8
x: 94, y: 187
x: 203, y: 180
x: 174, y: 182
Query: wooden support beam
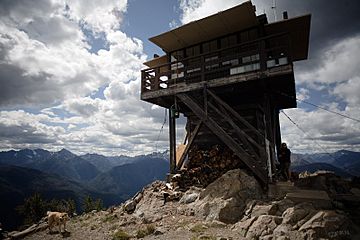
x: 224, y: 136
x: 277, y: 130
x: 188, y: 146
x: 245, y: 139
x: 233, y: 112
x: 172, y: 137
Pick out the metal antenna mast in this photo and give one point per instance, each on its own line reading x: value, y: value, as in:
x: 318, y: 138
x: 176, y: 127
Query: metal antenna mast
x: 274, y: 9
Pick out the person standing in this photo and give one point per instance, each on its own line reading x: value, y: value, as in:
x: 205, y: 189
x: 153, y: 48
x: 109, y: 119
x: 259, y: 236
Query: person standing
x: 284, y: 159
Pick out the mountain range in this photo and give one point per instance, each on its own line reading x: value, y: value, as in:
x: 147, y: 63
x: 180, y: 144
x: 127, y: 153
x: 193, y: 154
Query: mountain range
x: 343, y: 163
x: 63, y: 175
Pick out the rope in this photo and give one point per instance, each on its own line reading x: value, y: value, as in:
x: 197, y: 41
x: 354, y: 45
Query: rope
x: 161, y: 129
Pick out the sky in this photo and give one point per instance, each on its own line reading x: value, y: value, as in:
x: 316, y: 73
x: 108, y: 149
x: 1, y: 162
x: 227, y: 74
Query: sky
x: 70, y: 73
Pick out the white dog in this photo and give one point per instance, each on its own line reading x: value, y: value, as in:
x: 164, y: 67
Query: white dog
x: 57, y: 218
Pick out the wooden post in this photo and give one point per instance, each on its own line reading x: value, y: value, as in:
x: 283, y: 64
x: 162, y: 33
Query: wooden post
x: 277, y: 130
x: 263, y: 55
x: 189, y: 145
x: 172, y: 137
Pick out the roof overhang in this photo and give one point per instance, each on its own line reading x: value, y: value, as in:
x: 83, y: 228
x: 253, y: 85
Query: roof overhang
x: 299, y: 30
x: 232, y: 20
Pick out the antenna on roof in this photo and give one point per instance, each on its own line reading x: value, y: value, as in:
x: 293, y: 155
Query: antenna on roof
x: 274, y: 8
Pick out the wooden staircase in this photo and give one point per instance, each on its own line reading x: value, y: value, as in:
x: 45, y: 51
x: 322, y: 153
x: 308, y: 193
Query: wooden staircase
x: 231, y: 129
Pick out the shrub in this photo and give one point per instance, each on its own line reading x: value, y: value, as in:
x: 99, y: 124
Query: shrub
x: 33, y: 209
x: 121, y: 235
x: 89, y: 204
x: 150, y: 229
x: 198, y: 228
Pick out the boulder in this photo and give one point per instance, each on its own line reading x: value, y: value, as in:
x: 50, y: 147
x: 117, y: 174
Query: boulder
x: 264, y: 209
x: 263, y: 226
x: 189, y: 198
x: 282, y: 205
x: 243, y: 226
x: 190, y: 195
x: 130, y: 206
x: 326, y: 224
x: 159, y: 231
x: 225, y: 198
x: 297, y: 213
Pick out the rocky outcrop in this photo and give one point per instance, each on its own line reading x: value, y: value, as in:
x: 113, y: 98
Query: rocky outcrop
x: 232, y: 207
x: 297, y: 221
x: 225, y: 199
x: 326, y: 224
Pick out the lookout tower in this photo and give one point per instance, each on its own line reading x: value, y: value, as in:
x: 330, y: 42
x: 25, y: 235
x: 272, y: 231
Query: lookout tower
x: 229, y: 74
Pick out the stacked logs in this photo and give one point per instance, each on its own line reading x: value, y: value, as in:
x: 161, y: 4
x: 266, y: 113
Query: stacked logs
x: 205, y: 166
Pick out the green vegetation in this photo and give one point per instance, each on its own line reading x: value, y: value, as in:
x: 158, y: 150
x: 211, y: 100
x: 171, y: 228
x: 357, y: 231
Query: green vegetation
x: 109, y: 218
x: 121, y: 235
x: 89, y: 204
x: 141, y: 233
x: 204, y: 238
x: 198, y: 228
x: 35, y: 207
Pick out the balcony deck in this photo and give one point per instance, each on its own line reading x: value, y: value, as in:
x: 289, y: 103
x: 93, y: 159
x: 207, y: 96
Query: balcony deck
x: 239, y: 63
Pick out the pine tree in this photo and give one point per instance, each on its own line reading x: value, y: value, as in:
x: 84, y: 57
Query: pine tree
x: 33, y: 209
x: 98, y: 205
x: 71, y: 206
x: 88, y: 205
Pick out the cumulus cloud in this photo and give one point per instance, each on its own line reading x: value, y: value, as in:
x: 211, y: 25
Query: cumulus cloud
x: 195, y: 9
x: 349, y: 90
x: 338, y: 63
x: 339, y: 76
x: 98, y: 16
x: 46, y: 64
x: 319, y: 131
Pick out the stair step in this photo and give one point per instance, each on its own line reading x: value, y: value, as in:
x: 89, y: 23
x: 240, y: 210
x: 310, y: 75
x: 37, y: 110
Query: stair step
x: 316, y: 197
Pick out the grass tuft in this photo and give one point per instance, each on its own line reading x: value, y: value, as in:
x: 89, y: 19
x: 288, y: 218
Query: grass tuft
x: 141, y: 233
x: 121, y: 235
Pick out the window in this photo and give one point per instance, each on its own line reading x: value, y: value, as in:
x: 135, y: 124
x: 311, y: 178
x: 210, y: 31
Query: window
x: 251, y: 58
x: 209, y: 46
x: 192, y: 51
x: 228, y: 41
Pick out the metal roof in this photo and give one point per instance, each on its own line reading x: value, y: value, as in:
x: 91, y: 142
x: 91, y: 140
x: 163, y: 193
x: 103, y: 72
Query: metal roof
x: 232, y: 20
x: 299, y: 30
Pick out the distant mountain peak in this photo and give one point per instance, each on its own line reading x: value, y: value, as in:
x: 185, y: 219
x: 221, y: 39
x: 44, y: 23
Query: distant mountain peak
x: 65, y: 151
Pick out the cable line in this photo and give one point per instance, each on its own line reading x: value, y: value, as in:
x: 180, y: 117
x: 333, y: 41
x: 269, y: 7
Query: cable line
x: 302, y: 130
x: 161, y: 129
x: 325, y: 109
x: 328, y: 110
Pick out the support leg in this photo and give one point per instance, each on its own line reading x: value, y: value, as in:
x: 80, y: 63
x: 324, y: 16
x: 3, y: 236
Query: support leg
x: 172, y: 137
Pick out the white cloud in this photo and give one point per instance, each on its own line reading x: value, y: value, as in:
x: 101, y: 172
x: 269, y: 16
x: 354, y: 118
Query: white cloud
x: 338, y: 63
x: 195, y: 9
x: 45, y: 63
x: 338, y: 75
x: 349, y: 91
x: 98, y: 16
x: 324, y: 131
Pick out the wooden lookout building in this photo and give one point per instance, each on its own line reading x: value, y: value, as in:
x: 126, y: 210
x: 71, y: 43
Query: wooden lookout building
x: 229, y: 74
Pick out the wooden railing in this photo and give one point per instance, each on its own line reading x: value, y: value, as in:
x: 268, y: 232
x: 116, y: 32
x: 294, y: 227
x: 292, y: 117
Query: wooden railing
x: 239, y: 59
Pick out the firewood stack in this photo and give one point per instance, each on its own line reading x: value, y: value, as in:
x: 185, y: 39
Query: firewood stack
x: 205, y: 166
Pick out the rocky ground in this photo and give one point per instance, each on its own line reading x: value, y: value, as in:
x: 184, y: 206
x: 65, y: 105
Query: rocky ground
x: 232, y: 207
